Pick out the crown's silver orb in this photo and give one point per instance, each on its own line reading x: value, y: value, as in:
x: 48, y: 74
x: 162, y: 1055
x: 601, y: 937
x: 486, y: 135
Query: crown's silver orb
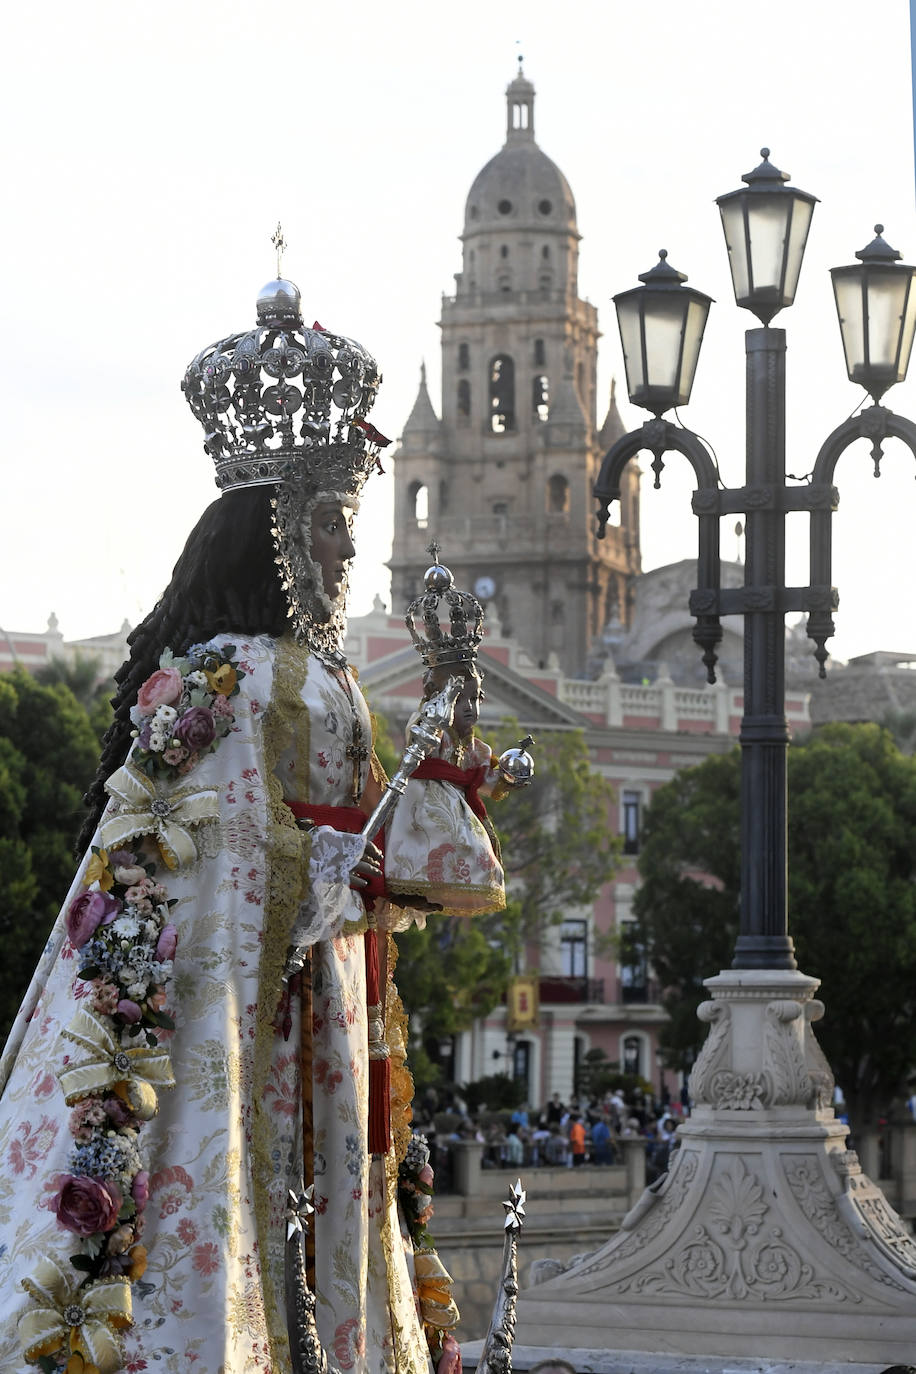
x: 516, y: 766
x: 438, y: 578
x: 279, y: 300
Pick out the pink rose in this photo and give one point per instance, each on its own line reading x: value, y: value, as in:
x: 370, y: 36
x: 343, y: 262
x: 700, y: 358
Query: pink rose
x: 426, y: 1175
x: 140, y: 1189
x: 139, y: 891
x: 196, y: 729
x: 129, y: 874
x: 118, y: 1111
x: 128, y: 1010
x: 162, y: 688
x: 86, y: 1205
x: 87, y: 913
x: 175, y: 756
x: 167, y: 943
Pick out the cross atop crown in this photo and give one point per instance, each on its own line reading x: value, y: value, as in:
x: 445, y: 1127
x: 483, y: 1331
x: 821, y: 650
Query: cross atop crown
x: 279, y: 242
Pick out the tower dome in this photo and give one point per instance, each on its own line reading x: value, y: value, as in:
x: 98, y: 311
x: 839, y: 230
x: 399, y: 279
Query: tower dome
x: 520, y: 188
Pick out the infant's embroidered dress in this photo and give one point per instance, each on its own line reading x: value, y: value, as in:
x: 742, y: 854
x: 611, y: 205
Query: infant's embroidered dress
x: 225, y: 1146
x: 440, y: 842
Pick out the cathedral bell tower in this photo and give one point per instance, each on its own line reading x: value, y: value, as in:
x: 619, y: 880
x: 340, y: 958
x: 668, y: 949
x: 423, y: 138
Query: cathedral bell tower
x: 504, y: 479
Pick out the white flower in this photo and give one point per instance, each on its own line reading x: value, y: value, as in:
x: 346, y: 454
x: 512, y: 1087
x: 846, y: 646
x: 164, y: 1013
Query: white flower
x: 126, y: 925
x: 165, y: 714
x: 136, y: 990
x: 196, y: 679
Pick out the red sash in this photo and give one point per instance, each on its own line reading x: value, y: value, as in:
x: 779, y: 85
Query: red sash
x: 468, y: 779
x: 350, y: 820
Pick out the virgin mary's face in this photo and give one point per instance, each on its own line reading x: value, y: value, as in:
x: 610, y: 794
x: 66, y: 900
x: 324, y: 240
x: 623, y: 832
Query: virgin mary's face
x: 331, y: 545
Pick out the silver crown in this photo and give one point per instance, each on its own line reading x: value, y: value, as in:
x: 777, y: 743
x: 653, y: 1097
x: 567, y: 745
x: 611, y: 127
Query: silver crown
x: 283, y: 401
x: 455, y: 640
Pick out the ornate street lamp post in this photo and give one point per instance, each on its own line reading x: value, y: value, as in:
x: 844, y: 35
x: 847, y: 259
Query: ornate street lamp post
x: 764, y: 1235
x: 661, y: 327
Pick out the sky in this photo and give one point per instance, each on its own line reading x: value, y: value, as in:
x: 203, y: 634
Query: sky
x: 150, y: 149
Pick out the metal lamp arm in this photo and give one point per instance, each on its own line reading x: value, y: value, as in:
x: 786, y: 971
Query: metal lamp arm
x: 877, y: 424
x: 660, y: 436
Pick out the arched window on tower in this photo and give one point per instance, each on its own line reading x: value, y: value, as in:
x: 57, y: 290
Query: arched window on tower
x: 502, y: 394
x: 464, y: 398
x: 540, y: 396
x: 519, y: 115
x: 464, y: 357
x: 558, y: 494
x: 418, y: 503
x: 540, y: 353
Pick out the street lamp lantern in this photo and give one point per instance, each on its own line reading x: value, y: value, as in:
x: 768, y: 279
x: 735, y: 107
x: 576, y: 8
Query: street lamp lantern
x: 766, y: 228
x: 661, y: 329
x: 876, y: 305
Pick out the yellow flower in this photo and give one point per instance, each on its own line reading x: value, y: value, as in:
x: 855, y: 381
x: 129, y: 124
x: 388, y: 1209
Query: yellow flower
x: 223, y: 680
x: 97, y: 871
x: 137, y: 1269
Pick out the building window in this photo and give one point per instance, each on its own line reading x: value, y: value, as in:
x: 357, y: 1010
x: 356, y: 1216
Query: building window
x: 501, y: 508
x: 631, y: 803
x: 574, y: 948
x: 632, y: 1054
x: 418, y: 497
x: 540, y: 353
x: 632, y: 963
x: 464, y: 357
x: 504, y: 282
x: 545, y: 253
x: 557, y: 494
x: 504, y: 250
x: 464, y: 397
x: 502, y: 394
x: 540, y: 397
x: 545, y: 281
x: 521, y: 1062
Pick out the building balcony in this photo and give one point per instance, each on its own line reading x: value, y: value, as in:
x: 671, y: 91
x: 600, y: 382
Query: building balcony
x: 556, y: 988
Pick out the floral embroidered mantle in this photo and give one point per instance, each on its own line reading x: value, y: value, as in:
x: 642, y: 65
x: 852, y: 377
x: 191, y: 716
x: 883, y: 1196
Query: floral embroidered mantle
x: 223, y: 1148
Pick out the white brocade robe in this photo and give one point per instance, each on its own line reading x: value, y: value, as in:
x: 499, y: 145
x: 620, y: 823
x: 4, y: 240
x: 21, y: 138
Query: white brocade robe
x: 226, y: 1144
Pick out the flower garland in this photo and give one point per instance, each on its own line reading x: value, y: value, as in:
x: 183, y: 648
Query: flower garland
x: 183, y: 710
x: 116, y: 1058
x: 434, y: 1284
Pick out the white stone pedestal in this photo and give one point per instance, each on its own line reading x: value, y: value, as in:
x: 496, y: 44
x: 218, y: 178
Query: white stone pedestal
x: 764, y: 1239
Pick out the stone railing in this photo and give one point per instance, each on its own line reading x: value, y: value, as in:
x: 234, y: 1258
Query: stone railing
x: 661, y: 705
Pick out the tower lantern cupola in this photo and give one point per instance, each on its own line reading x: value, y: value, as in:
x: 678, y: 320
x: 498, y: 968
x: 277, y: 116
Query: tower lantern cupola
x: 520, y: 108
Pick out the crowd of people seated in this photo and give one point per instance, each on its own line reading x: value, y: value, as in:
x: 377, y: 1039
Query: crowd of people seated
x: 582, y: 1132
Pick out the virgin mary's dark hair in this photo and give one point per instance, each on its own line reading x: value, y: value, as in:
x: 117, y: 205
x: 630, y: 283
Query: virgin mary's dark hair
x: 226, y: 580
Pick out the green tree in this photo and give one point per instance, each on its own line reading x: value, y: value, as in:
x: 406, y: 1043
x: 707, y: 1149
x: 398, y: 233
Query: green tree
x: 558, y: 851
x: 852, y: 899
x: 48, y: 753
x: 82, y: 676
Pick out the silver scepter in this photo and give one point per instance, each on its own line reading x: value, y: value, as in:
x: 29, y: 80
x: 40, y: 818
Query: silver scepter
x: 423, y: 737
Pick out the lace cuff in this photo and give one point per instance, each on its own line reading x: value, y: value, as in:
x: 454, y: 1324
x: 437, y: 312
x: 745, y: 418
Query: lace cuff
x: 329, y: 903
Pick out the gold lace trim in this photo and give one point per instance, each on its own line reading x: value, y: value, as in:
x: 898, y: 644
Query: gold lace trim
x: 491, y: 898
x: 395, y: 1030
x: 285, y: 726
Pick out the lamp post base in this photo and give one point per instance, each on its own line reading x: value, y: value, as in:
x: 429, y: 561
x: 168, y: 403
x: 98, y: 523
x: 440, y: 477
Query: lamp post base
x: 764, y: 1239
